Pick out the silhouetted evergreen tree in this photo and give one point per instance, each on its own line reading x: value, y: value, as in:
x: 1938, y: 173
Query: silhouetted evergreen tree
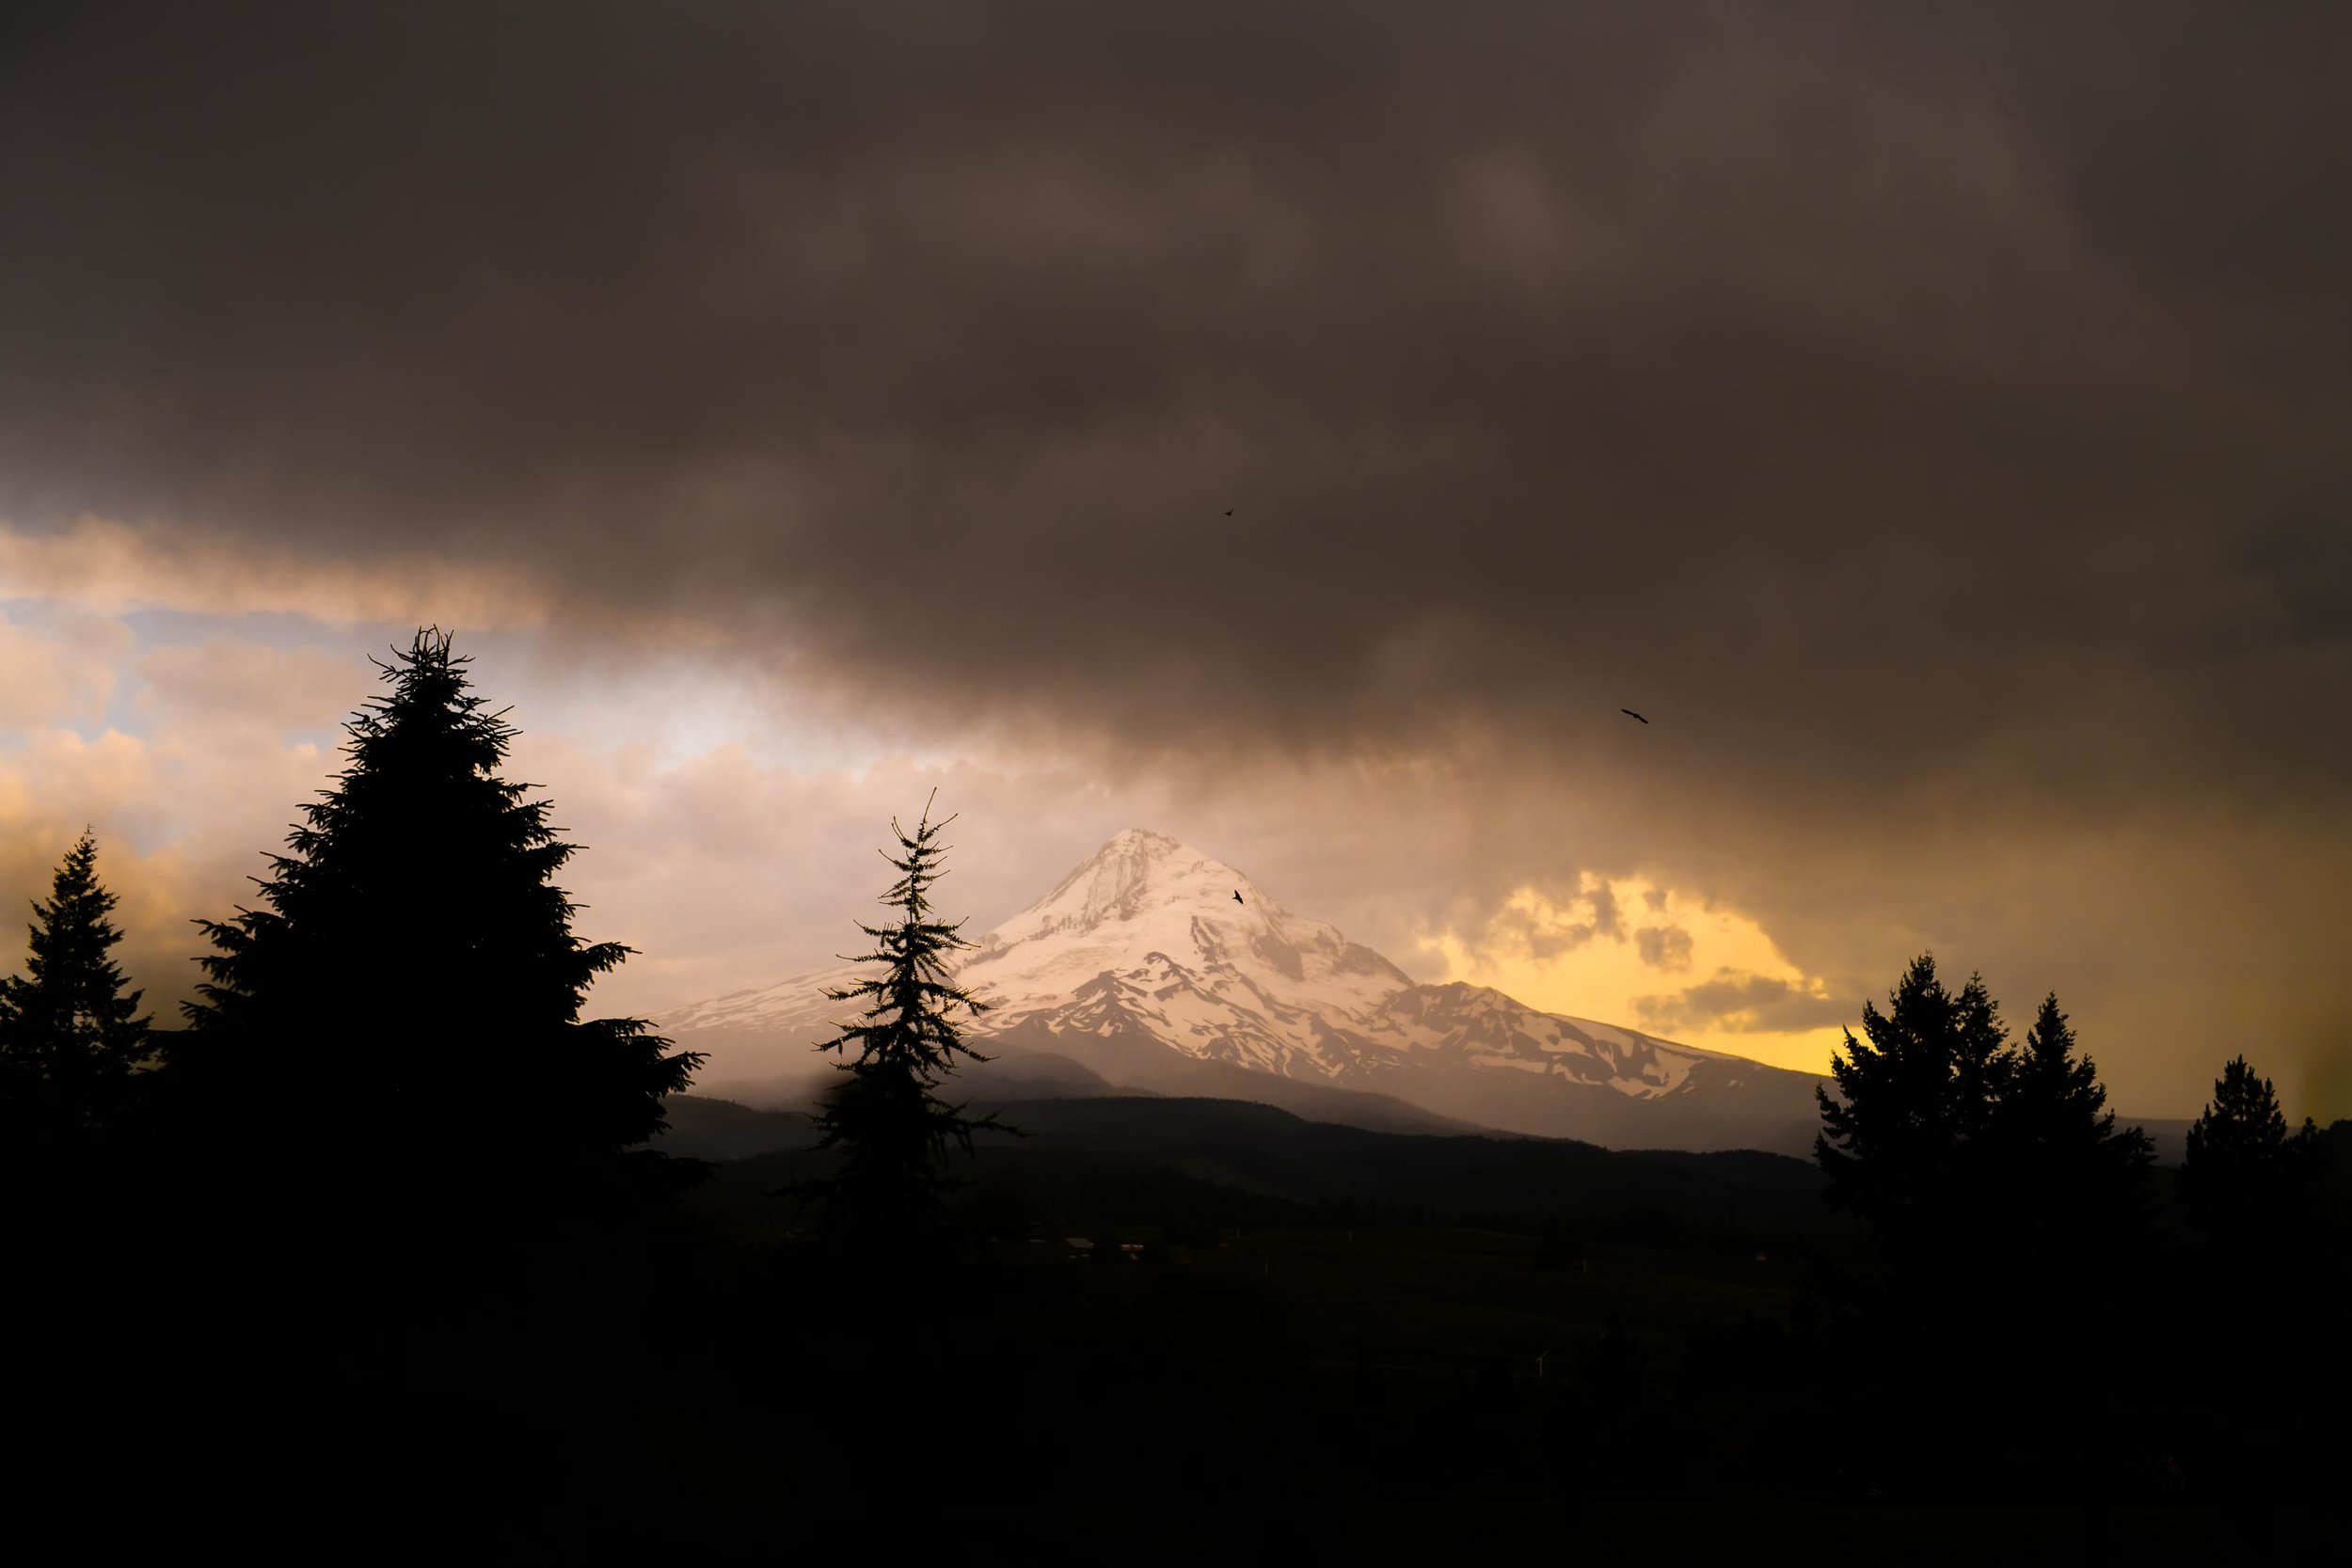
x: 894, y: 1131
x: 2006, y: 1208
x: 1908, y: 1141
x: 70, y: 1036
x: 2056, y: 1102
x: 410, y: 988
x: 2274, y: 1282
x: 2073, y: 1201
x: 2243, y: 1171
x: 2078, y: 1181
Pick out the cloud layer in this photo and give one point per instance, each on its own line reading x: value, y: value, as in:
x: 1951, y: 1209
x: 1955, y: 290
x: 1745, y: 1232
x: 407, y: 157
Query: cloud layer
x: 1932, y: 420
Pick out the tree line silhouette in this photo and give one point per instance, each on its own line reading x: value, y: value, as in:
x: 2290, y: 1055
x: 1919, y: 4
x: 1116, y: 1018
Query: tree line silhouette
x: 2024, y: 1301
x: 407, y: 962
x: 387, y: 1122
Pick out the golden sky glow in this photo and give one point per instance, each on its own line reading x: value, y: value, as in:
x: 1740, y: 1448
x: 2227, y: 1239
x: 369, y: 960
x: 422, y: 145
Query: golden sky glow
x: 104, y: 565
x: 1562, y: 956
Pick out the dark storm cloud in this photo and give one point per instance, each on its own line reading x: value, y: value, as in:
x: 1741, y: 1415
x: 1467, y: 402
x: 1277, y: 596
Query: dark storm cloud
x: 1746, y: 1004
x: 1749, y: 366
x: 1921, y: 414
x: 1665, y: 947
x: 1545, y: 935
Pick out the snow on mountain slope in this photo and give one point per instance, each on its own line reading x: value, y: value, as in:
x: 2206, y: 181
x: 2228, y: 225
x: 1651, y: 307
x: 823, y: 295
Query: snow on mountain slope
x: 1149, y: 929
x: 1143, y: 951
x: 797, y: 1007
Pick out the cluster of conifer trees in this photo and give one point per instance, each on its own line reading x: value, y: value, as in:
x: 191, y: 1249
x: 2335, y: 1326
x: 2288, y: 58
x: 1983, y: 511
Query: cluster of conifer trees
x: 2024, y: 1281
x: 397, y: 1017
x: 397, y: 1014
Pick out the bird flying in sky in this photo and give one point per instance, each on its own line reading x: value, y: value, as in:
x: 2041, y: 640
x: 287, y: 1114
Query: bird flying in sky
x: 1631, y: 714
x: 1237, y: 898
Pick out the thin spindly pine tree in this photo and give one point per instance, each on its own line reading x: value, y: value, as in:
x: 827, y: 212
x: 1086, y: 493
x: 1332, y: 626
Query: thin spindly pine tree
x: 897, y: 1137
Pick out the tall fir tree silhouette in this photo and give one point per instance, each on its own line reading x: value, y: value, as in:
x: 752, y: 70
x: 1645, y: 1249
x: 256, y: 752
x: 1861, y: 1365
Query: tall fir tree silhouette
x: 1990, y: 1176
x: 2072, y: 1197
x: 1911, y: 1126
x: 1909, y: 1147
x: 895, y: 1133
x: 2243, y: 1172
x: 71, y: 1034
x: 2077, y: 1180
x: 410, y: 979
x: 2274, y: 1282
x: 2058, y: 1100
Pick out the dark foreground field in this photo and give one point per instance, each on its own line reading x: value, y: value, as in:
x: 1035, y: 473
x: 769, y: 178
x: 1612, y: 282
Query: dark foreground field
x: 1200, y: 1314
x: 1170, y: 1321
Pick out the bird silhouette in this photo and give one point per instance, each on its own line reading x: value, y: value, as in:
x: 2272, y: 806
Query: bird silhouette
x: 1237, y: 898
x: 1631, y: 714
x: 1229, y: 512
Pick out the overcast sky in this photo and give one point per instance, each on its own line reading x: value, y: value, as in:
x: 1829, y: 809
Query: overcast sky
x: 1932, y: 419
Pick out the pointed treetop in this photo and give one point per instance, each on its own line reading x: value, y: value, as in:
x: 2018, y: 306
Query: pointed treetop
x: 892, y: 1129
x: 418, y: 908
x: 917, y: 864
x: 68, y: 1022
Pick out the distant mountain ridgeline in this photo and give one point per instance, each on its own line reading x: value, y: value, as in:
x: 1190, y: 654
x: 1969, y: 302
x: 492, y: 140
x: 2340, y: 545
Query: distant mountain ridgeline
x: 1154, y: 967
x: 1172, y: 1154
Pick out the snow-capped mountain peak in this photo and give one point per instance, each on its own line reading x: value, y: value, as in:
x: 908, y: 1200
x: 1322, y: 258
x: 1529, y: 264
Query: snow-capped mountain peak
x: 1145, y: 894
x: 1143, y: 951
x: 1134, y: 874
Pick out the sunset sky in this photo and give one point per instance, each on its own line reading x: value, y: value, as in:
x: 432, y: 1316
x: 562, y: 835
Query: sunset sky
x: 1934, y: 419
